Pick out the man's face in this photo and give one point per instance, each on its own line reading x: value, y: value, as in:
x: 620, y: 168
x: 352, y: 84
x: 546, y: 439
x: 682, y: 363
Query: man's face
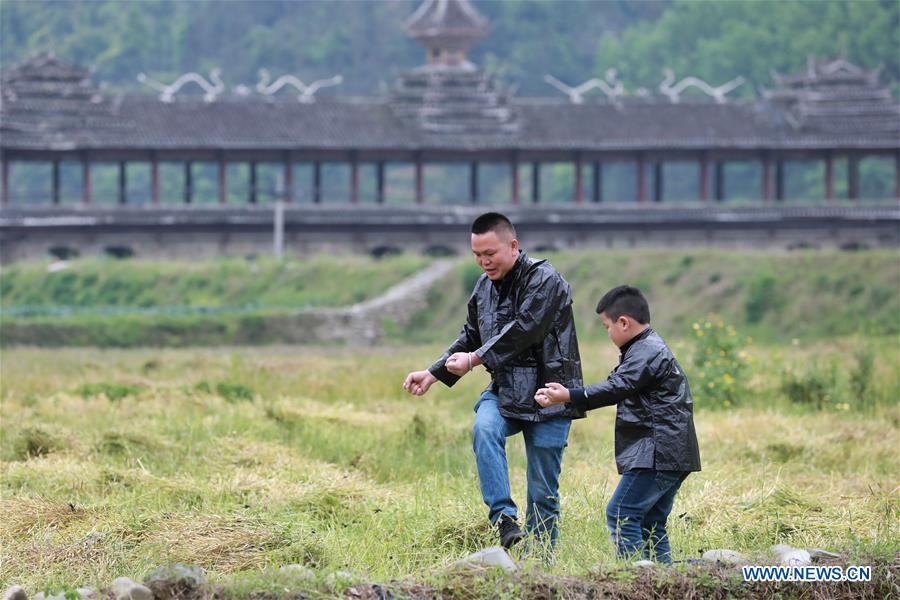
x: 495, y: 254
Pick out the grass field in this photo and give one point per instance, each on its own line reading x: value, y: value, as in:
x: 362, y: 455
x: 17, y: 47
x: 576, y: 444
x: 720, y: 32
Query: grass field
x: 242, y: 460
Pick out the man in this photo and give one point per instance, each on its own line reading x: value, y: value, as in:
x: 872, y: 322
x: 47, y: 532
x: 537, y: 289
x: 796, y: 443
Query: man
x: 520, y: 327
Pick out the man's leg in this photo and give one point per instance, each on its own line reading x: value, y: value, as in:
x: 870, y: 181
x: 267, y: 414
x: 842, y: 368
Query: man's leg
x: 656, y: 539
x: 489, y: 443
x: 544, y: 446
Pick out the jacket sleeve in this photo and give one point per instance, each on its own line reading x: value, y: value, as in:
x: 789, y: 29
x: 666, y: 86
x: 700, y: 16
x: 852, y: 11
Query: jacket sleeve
x: 469, y: 340
x: 540, y: 303
x: 633, y: 375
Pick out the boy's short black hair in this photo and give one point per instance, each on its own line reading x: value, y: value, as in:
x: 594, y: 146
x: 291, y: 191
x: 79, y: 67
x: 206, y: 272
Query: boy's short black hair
x: 625, y: 300
x: 493, y: 221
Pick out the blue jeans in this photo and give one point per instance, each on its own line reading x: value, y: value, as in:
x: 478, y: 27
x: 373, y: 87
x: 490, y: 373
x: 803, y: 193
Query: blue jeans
x: 544, y: 445
x: 637, y: 512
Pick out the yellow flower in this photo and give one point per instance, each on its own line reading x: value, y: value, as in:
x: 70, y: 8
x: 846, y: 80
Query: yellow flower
x: 699, y: 333
x: 708, y: 325
x: 728, y: 379
x: 696, y: 326
x: 732, y: 333
x: 721, y: 353
x: 712, y: 384
x: 726, y: 403
x: 749, y: 340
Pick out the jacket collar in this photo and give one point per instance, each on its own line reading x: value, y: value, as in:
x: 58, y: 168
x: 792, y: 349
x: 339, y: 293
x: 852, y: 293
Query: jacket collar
x: 631, y: 342
x: 513, y: 273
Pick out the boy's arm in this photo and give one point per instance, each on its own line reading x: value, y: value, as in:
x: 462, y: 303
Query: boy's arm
x: 630, y: 377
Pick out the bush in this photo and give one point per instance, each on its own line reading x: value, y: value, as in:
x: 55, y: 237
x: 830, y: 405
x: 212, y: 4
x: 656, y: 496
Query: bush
x: 234, y: 392
x: 813, y: 388
x: 113, y: 391
x: 720, y: 365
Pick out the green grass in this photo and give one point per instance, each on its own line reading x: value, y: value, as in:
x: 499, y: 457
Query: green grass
x: 243, y: 460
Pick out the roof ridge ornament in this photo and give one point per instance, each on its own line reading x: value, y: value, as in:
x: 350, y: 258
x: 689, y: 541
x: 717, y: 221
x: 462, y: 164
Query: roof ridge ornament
x: 610, y: 85
x: 167, y: 92
x: 307, y: 92
x: 674, y: 91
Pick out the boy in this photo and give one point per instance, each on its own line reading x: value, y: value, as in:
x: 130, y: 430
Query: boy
x: 656, y: 446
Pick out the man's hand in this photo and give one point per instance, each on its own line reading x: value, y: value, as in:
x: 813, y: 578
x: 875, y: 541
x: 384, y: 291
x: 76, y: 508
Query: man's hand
x: 418, y: 382
x: 461, y: 363
x: 554, y: 393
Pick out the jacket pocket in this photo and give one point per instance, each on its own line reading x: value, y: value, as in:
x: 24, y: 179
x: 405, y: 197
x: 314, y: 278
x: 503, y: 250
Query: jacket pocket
x: 518, y: 386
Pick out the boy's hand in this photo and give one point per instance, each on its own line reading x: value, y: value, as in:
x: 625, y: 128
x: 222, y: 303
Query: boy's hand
x: 554, y: 393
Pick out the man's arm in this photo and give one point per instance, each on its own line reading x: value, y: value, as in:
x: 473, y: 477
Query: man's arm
x: 469, y: 339
x: 541, y: 301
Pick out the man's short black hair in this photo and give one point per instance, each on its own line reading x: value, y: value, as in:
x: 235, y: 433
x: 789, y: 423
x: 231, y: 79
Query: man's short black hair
x: 493, y: 221
x: 625, y: 300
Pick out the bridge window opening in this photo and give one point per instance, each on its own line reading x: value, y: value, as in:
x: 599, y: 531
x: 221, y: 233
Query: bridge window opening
x: 104, y: 183
x: 742, y: 182
x: 804, y: 181
x: 269, y: 182
x: 30, y: 183
x: 63, y: 252
x: 619, y: 183
x: 119, y: 252
x: 205, y: 181
x: 400, y: 185
x: 681, y: 181
x: 137, y: 182
x: 494, y: 183
x: 558, y: 182
x: 876, y: 178
x: 171, y: 182
x: 335, y: 182
x: 447, y: 183
x: 237, y: 183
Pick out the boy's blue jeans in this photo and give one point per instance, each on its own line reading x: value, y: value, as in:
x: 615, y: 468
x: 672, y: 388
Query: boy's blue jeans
x: 544, y: 445
x: 637, y: 512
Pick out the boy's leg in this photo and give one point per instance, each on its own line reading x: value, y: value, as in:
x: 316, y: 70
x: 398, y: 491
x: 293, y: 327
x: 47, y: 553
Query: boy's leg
x: 656, y: 538
x: 489, y: 443
x: 633, y: 498
x: 545, y: 443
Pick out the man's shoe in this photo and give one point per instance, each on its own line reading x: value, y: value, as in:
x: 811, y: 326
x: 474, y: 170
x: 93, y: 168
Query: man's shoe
x: 510, y: 532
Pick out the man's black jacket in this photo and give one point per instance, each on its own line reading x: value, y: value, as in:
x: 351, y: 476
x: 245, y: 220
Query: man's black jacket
x: 655, y: 411
x: 523, y: 330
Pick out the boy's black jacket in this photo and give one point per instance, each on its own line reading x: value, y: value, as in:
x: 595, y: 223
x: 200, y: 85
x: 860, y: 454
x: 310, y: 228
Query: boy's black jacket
x: 523, y: 330
x: 655, y: 412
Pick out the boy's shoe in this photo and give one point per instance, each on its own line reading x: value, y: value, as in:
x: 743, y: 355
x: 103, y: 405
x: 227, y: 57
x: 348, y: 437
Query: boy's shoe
x: 510, y: 532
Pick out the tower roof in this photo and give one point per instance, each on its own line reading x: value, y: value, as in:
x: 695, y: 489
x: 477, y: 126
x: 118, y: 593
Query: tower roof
x: 449, y: 23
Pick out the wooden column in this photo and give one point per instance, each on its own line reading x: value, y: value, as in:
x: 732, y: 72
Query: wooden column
x: 354, y: 180
x: 379, y: 182
x: 419, y: 180
x: 535, y: 182
x: 641, y: 188
x: 154, y: 179
x: 704, y: 177
x: 896, y: 175
x: 514, y: 178
x: 829, y: 177
x: 720, y: 181
x: 473, y: 182
x: 317, y: 182
x: 288, y: 177
x: 597, y: 190
x: 4, y: 179
x: 765, y: 186
x: 251, y: 188
x: 853, y: 177
x: 123, y: 182
x: 579, y: 185
x: 188, y: 182
x: 56, y: 194
x: 779, y: 180
x: 658, y: 181
x: 223, y: 179
x: 85, y: 179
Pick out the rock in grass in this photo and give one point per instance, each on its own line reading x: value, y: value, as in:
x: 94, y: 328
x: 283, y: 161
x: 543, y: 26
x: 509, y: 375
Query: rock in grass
x: 339, y: 577
x: 178, y: 574
x: 495, y: 556
x: 644, y: 564
x: 298, y: 570
x: 15, y: 593
x: 815, y: 553
x: 788, y: 555
x: 86, y: 593
x: 126, y: 589
x: 726, y: 556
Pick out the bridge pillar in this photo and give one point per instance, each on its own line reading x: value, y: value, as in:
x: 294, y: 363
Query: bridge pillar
x: 317, y: 182
x: 779, y: 180
x: 704, y: 177
x: 188, y: 182
x: 719, y: 186
x: 641, y: 187
x: 420, y: 180
x: 288, y: 177
x: 379, y: 182
x: 829, y: 176
x: 154, y: 179
x: 123, y: 182
x: 4, y: 178
x: 85, y: 179
x: 56, y: 186
x: 514, y: 178
x: 658, y: 181
x: 354, y: 180
x: 535, y: 182
x: 853, y: 177
x: 597, y: 190
x: 223, y: 179
x: 579, y: 184
x: 251, y: 188
x: 897, y: 175
x: 765, y: 186
x: 473, y: 182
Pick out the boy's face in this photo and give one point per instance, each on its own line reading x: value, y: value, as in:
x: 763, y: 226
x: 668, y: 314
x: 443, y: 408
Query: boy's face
x: 619, y: 331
